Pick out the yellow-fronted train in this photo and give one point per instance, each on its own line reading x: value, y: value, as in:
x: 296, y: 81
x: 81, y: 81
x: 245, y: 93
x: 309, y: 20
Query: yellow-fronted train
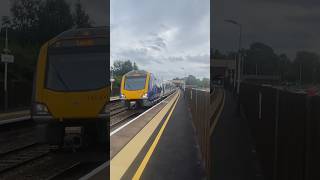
x: 140, y: 88
x: 72, y: 88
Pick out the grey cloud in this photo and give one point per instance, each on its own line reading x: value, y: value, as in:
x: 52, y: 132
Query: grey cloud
x: 309, y: 18
x: 298, y: 3
x: 175, y: 59
x: 139, y: 55
x: 201, y: 59
x: 172, y: 34
x: 154, y: 42
x: 287, y: 26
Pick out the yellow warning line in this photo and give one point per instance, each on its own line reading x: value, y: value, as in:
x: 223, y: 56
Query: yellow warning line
x: 120, y: 163
x: 146, y: 159
x: 218, y: 114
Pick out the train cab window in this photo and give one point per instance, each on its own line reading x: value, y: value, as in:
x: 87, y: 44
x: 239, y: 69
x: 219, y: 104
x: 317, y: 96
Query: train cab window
x: 68, y: 72
x: 135, y: 82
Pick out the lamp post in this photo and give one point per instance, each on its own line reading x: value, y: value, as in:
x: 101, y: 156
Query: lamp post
x: 185, y: 74
x: 6, y: 58
x: 238, y: 69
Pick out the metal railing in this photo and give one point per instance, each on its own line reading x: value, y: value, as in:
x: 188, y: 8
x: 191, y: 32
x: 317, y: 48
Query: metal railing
x: 285, y: 129
x: 205, y: 108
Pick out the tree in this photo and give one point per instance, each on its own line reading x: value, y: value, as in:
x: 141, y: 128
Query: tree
x: 191, y: 80
x: 218, y: 55
x: 25, y: 18
x: 120, y: 68
x: 80, y: 17
x: 205, y: 83
x: 135, y: 67
x: 307, y: 64
x: 5, y: 21
x: 55, y: 17
x: 261, y: 58
x: 25, y: 14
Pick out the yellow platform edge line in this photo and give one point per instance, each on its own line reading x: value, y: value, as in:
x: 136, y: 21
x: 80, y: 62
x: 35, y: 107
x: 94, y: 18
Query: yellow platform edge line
x: 146, y: 159
x: 120, y: 163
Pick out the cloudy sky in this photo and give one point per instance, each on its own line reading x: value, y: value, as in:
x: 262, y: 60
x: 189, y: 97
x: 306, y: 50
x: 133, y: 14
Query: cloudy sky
x: 97, y: 10
x: 170, y: 38
x: 286, y: 25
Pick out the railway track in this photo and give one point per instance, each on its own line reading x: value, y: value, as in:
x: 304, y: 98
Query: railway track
x: 123, y: 116
x: 22, y: 155
x: 61, y: 172
x: 120, y: 114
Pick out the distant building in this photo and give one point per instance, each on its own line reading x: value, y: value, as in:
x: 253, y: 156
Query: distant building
x: 179, y: 83
x: 222, y: 71
x: 261, y: 79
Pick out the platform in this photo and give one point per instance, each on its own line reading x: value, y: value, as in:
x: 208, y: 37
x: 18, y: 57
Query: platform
x: 232, y: 151
x: 159, y: 145
x: 16, y: 116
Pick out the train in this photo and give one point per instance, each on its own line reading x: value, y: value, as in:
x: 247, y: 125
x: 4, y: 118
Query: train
x: 71, y: 89
x: 139, y: 88
x: 168, y: 88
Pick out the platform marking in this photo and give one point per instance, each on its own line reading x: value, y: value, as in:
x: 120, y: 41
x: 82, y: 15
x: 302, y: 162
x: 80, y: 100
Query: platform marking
x: 12, y: 120
x: 215, y: 122
x: 122, y: 161
x: 146, y: 159
x: 129, y: 122
x: 102, y: 168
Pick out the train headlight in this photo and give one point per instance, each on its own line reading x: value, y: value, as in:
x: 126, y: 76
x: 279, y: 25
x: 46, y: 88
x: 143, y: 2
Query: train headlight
x: 122, y: 96
x: 145, y: 96
x: 41, y: 109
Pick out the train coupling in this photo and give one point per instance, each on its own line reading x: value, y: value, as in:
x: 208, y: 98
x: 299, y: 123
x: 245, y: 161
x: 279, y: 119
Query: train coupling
x: 73, y: 137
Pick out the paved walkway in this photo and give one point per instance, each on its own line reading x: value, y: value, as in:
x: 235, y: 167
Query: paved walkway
x: 232, y: 153
x: 176, y: 156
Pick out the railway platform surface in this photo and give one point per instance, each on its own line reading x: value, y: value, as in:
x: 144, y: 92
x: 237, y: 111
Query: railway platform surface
x: 232, y: 151
x: 114, y: 98
x: 171, y: 152
x: 14, y: 116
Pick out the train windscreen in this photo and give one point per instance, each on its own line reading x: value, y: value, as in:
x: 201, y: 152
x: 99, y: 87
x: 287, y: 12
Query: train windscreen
x: 134, y: 82
x: 76, y: 71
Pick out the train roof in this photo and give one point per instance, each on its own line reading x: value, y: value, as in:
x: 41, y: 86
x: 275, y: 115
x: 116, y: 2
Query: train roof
x: 84, y: 32
x: 77, y: 37
x: 136, y: 72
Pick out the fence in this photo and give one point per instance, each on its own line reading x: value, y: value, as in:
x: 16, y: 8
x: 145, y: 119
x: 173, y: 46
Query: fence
x: 204, y: 108
x: 285, y: 129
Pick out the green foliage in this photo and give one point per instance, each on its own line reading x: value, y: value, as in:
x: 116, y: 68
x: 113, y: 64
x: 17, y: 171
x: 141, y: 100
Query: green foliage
x: 34, y: 22
x: 54, y: 17
x: 262, y: 59
x: 219, y: 55
x: 37, y: 21
x: 193, y: 81
x: 135, y: 67
x: 120, y: 68
x: 205, y: 83
x: 5, y: 21
x: 80, y: 17
x: 25, y: 20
